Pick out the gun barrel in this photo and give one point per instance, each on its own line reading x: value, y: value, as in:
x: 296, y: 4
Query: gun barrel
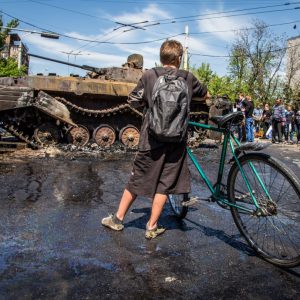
x: 84, y: 67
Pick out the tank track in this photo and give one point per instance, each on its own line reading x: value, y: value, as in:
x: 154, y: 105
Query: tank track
x: 99, y: 113
x: 200, y: 136
x: 12, y: 129
x: 19, y: 134
x: 117, y: 109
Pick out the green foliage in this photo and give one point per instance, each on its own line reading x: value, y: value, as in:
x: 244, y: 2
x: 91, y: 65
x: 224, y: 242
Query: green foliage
x: 204, y: 73
x: 217, y: 85
x: 9, y: 67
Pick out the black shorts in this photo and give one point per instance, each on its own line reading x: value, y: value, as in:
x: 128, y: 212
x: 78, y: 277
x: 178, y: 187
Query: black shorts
x: 163, y: 170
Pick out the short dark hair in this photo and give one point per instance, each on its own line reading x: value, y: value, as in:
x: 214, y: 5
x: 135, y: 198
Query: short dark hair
x: 170, y: 51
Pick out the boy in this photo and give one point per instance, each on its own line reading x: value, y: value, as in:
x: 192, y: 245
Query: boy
x: 159, y: 168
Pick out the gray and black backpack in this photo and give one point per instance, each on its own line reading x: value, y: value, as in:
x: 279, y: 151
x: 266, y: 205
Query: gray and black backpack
x: 169, y: 110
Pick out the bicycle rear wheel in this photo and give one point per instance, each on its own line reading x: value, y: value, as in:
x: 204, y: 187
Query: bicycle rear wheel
x: 176, y: 203
x: 273, y: 231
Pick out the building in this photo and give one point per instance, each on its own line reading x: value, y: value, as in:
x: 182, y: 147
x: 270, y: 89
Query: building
x: 293, y: 63
x: 16, y: 49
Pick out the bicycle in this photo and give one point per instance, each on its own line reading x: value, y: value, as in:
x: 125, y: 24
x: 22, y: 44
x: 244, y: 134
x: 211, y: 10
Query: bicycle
x: 262, y: 194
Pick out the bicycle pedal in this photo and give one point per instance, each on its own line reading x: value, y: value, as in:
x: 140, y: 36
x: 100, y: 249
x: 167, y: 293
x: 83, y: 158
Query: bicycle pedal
x: 190, y: 202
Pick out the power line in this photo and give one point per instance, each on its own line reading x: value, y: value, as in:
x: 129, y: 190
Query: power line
x: 225, y: 12
x: 166, y: 19
x: 144, y: 42
x: 71, y: 10
x: 132, y: 25
x: 51, y: 32
x: 242, y: 29
x: 218, y: 17
x: 30, y: 24
x: 245, y: 55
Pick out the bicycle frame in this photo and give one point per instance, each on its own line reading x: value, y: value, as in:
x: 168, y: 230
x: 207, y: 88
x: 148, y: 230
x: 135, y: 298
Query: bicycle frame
x: 216, y: 191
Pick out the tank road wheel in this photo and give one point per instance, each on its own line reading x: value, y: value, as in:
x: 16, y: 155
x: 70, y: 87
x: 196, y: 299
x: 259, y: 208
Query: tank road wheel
x: 78, y: 136
x: 129, y: 136
x: 104, y: 136
x: 47, y: 134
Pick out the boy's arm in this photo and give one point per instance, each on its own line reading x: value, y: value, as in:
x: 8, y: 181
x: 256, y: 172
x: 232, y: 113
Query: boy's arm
x: 199, y: 89
x: 283, y: 115
x: 136, y: 97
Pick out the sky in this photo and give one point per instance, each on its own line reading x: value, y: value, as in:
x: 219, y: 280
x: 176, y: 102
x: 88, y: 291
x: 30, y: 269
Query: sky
x: 104, y: 24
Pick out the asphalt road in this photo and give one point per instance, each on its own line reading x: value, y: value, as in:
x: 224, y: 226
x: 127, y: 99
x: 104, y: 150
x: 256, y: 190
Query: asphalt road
x: 52, y: 245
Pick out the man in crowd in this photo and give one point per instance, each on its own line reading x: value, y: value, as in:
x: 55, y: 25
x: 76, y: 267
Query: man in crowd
x: 240, y: 106
x: 257, y: 117
x: 278, y: 121
x: 297, y: 122
x: 249, y: 107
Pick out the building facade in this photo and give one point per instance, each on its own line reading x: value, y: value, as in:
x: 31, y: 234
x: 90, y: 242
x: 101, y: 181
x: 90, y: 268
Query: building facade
x: 293, y: 63
x: 14, y: 48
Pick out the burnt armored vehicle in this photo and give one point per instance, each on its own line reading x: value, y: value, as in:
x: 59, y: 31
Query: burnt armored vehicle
x: 44, y: 110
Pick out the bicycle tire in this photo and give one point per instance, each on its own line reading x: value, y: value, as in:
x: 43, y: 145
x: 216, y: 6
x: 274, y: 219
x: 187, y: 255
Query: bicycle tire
x: 176, y: 203
x: 282, y: 214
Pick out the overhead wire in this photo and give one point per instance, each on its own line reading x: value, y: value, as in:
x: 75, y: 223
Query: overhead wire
x: 218, y: 17
x: 229, y: 11
x: 245, y: 55
x: 242, y: 29
x: 158, y: 22
x: 140, y: 42
x: 149, y: 41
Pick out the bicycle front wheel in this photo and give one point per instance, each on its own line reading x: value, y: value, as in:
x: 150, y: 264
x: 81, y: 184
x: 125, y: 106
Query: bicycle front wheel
x: 272, y: 230
x: 177, y: 204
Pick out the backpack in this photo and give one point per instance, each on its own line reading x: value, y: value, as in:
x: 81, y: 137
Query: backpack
x: 169, y: 110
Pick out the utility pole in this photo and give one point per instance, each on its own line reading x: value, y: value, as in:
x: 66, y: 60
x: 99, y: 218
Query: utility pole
x: 20, y: 56
x: 71, y: 53
x: 185, y: 50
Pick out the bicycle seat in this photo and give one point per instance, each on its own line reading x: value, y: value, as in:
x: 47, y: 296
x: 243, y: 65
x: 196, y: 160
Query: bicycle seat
x: 233, y: 118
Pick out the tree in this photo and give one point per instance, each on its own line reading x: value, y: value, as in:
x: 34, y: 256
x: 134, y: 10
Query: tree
x: 204, y: 73
x: 256, y: 58
x: 4, y: 32
x: 9, y: 67
x: 217, y: 85
x: 239, y: 69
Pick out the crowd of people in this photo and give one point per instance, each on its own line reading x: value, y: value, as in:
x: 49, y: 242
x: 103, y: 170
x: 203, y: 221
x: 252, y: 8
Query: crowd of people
x: 280, y: 122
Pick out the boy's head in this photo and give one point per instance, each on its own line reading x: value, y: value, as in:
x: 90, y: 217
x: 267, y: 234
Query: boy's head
x: 171, y: 52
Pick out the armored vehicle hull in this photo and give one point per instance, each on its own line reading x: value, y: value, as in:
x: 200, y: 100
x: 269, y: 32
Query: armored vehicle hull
x: 44, y: 110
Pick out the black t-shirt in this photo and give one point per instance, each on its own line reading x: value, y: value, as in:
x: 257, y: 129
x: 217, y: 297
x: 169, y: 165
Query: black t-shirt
x: 249, y: 107
x: 267, y: 115
x: 297, y: 117
x: 142, y: 95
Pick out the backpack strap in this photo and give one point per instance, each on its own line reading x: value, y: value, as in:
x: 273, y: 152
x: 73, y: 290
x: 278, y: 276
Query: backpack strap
x: 184, y: 77
x: 156, y: 71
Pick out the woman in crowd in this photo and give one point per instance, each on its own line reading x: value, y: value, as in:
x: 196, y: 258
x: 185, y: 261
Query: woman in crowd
x: 297, y: 123
x: 289, y: 124
x: 266, y: 119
